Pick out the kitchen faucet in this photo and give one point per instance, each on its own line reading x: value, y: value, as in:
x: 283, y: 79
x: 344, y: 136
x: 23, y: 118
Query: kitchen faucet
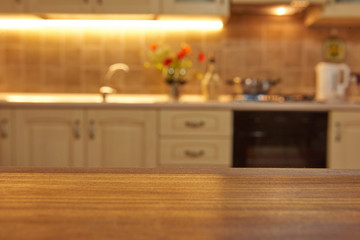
x: 105, y: 90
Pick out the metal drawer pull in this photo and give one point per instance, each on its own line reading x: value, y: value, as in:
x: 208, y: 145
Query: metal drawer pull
x: 92, y: 129
x: 192, y: 124
x: 194, y: 154
x: 77, y: 131
x: 337, y: 132
x: 4, y: 128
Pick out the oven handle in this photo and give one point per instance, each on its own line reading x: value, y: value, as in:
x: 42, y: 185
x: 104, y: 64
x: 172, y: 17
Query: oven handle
x: 257, y: 134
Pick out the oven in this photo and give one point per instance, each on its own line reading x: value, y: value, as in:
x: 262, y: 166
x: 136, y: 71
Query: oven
x: 280, y: 139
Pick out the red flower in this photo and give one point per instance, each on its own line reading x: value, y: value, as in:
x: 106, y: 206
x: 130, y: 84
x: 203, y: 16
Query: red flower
x: 167, y: 61
x: 201, y: 57
x: 153, y: 46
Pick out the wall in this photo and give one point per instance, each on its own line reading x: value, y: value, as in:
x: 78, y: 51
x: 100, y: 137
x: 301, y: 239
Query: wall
x: 76, y: 60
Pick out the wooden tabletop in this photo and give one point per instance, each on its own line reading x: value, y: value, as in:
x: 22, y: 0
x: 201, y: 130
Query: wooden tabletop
x: 125, y: 204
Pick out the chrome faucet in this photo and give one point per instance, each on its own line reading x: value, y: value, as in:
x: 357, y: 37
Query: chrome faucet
x: 105, y: 90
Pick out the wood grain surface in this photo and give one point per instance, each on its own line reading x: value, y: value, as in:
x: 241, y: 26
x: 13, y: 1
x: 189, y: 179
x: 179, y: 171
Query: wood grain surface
x: 40, y: 203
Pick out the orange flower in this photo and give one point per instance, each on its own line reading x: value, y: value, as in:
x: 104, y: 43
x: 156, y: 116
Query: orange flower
x: 153, y: 46
x: 167, y: 61
x: 185, y: 50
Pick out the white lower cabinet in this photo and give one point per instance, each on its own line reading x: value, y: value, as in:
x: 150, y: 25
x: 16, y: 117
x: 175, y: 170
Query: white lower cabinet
x: 343, y: 140
x: 195, y: 138
x: 49, y: 138
x: 6, y: 137
x: 85, y: 138
x: 125, y: 138
x: 190, y: 152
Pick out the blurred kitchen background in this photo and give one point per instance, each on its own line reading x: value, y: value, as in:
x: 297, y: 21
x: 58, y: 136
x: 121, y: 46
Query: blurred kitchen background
x: 67, y: 59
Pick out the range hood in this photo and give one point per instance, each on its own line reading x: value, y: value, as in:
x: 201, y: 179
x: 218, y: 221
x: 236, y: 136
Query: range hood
x: 334, y: 14
x: 272, y: 7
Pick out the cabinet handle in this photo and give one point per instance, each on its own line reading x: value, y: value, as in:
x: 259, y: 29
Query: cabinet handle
x: 92, y: 129
x: 337, y: 132
x: 4, y: 128
x: 77, y: 130
x: 194, y: 154
x: 192, y: 124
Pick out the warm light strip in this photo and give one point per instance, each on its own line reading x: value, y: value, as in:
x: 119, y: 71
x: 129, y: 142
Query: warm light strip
x: 123, y: 24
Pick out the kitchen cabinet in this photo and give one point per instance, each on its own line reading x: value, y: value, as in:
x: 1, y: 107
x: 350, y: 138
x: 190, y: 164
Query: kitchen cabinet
x: 60, y: 6
x: 6, y: 137
x: 12, y: 6
x: 49, y: 138
x: 121, y: 138
x: 190, y: 138
x: 94, y: 6
x: 125, y: 6
x: 343, y: 140
x: 85, y: 138
x: 197, y: 7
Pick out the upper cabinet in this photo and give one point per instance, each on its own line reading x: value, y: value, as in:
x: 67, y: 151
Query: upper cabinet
x: 196, y: 7
x: 12, y: 6
x: 60, y: 6
x: 127, y: 7
x: 218, y: 8
x: 94, y: 6
x: 335, y: 13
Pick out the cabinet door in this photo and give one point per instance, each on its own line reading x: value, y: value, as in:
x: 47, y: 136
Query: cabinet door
x: 60, y: 6
x: 49, y: 138
x: 11, y: 6
x: 196, y: 7
x: 121, y: 138
x: 125, y: 6
x: 343, y: 140
x: 6, y: 137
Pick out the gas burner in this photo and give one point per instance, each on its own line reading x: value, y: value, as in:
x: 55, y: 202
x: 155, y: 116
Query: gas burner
x: 273, y: 98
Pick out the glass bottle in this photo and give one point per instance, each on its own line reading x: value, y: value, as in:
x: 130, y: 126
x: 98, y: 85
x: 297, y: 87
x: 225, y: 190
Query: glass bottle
x: 210, y: 83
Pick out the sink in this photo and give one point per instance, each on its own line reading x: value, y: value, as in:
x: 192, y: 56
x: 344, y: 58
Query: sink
x: 81, y: 98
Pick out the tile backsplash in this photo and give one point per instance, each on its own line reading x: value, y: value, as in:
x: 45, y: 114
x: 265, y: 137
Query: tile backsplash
x: 76, y: 60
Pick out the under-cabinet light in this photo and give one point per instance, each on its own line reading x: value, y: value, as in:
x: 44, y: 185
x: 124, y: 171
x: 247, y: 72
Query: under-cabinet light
x: 210, y: 25
x: 280, y: 11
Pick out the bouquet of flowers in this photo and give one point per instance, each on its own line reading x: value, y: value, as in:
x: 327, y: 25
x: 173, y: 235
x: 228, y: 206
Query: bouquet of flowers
x: 173, y: 65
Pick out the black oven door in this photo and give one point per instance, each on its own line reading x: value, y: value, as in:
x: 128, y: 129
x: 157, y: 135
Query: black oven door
x: 279, y: 139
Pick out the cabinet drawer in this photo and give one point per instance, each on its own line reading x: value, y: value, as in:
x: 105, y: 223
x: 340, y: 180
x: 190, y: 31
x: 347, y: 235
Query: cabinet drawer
x: 196, y: 122
x: 186, y: 152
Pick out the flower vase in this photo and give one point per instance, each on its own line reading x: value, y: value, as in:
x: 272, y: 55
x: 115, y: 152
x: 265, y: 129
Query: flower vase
x: 174, y: 92
x: 174, y: 78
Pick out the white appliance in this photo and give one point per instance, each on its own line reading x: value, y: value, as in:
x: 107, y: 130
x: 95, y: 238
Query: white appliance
x: 332, y: 79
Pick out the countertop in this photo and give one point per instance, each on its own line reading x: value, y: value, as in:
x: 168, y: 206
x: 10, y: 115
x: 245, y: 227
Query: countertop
x: 153, y: 101
x: 80, y: 203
